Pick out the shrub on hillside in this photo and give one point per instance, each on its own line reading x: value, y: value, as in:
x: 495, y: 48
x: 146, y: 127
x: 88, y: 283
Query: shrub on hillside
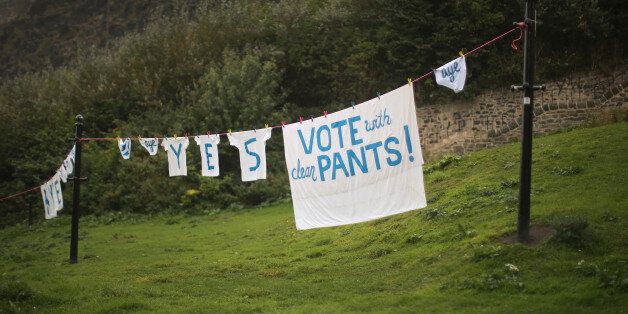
x: 570, y: 230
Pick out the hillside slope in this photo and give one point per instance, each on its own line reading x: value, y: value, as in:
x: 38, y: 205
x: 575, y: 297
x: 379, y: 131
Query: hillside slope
x: 447, y: 257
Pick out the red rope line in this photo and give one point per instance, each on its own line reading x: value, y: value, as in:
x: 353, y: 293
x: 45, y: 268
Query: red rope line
x: 498, y: 37
x: 19, y: 193
x: 520, y: 26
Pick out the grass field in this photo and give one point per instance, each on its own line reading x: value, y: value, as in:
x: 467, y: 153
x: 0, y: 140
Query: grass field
x: 444, y: 258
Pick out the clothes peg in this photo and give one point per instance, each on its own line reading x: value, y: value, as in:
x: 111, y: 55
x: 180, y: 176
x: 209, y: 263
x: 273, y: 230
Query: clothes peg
x: 378, y: 95
x: 410, y: 81
x: 301, y: 120
x: 325, y: 113
x: 229, y: 131
x: 282, y: 124
x: 461, y: 54
x: 266, y: 126
x: 312, y: 118
x: 353, y: 104
x: 209, y: 133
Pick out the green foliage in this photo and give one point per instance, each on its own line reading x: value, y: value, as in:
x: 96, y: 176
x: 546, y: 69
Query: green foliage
x: 570, y: 230
x: 241, y: 64
x: 442, y: 163
x: 254, y: 260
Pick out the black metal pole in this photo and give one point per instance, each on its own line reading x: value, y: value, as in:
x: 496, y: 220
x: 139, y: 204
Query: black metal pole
x: 523, y: 223
x: 77, y: 190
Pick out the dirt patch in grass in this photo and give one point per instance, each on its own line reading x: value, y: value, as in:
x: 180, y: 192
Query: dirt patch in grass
x: 538, y: 235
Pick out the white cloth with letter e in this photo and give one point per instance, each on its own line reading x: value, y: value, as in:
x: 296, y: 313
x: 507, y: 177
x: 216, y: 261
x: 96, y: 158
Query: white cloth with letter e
x: 252, y: 147
x: 177, y: 160
x: 209, y: 154
x: 357, y: 164
x: 452, y: 75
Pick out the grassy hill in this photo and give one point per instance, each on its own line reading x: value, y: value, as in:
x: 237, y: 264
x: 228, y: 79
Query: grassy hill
x: 447, y: 257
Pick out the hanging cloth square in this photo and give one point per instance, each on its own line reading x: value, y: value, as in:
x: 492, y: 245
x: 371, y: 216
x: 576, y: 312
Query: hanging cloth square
x: 209, y: 154
x: 125, y: 147
x: 63, y: 173
x: 252, y: 147
x: 151, y: 145
x: 452, y: 75
x: 177, y: 160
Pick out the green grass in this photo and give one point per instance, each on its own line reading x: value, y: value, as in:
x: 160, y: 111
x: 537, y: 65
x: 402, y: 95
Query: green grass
x: 445, y: 258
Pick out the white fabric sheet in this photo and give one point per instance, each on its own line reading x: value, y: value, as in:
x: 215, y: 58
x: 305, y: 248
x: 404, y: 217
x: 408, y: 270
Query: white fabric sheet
x: 357, y: 164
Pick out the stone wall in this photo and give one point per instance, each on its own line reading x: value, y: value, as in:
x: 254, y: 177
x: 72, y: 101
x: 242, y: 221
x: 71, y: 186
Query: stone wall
x: 494, y: 117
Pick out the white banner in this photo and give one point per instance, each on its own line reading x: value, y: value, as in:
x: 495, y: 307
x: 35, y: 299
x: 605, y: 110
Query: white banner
x: 358, y: 164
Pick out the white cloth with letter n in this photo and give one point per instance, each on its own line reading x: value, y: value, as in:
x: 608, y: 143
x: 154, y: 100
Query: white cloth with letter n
x: 357, y: 164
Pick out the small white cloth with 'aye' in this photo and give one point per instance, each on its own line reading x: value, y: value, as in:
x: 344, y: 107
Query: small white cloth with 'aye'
x: 252, y: 147
x: 125, y: 147
x: 209, y: 154
x: 177, y: 159
x: 452, y: 74
x: 151, y: 145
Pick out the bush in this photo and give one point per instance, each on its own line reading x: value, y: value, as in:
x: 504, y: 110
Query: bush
x: 570, y: 230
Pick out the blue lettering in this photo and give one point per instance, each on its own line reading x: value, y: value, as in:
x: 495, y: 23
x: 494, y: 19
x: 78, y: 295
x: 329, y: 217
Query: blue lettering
x: 338, y: 164
x: 392, y: 151
x: 301, y: 173
x: 380, y: 120
x: 306, y: 149
x: 450, y: 72
x: 318, y: 138
x: 254, y: 154
x: 208, y: 155
x: 353, y: 130
x: 177, y: 153
x: 322, y: 168
x: 353, y: 159
x: 57, y: 185
x: 338, y: 125
x: 374, y: 147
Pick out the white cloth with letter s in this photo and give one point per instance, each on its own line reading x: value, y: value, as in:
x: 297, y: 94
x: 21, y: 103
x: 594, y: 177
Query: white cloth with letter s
x: 252, y: 148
